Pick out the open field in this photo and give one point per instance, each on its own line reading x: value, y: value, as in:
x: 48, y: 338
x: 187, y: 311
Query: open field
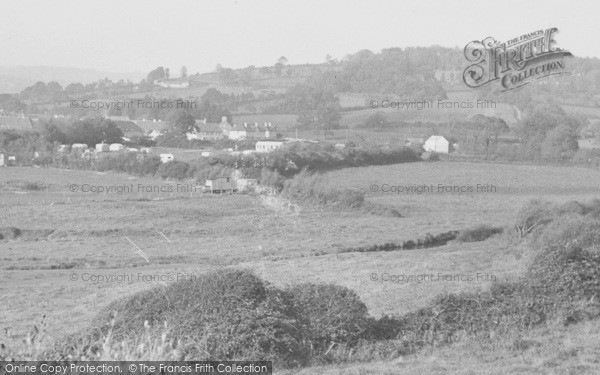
x: 77, y: 251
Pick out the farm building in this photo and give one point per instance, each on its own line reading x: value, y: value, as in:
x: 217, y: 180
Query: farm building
x: 220, y: 185
x: 165, y: 158
x: 268, y: 146
x: 437, y: 143
x: 102, y: 147
x: 15, y: 122
x: 116, y: 147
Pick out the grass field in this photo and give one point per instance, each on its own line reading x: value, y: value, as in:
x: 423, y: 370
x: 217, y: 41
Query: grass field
x: 77, y: 251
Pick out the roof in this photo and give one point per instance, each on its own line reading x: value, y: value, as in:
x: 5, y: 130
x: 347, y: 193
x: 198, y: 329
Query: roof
x: 269, y: 142
x: 15, y: 123
x: 250, y: 128
x: 149, y: 126
x: 128, y: 126
x: 208, y: 128
x: 437, y: 138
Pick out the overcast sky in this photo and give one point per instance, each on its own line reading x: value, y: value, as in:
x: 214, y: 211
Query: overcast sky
x: 141, y: 35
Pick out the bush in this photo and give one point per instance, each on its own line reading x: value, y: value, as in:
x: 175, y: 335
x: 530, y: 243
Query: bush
x: 329, y: 314
x: 223, y: 315
x: 479, y: 233
x: 532, y: 216
x: 176, y: 170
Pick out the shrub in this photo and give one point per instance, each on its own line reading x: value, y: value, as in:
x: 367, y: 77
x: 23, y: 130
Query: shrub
x: 479, y: 233
x: 223, y: 315
x: 533, y: 215
x: 328, y: 314
x: 176, y: 170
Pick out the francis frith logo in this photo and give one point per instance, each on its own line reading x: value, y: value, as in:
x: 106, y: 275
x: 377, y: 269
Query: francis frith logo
x: 516, y: 62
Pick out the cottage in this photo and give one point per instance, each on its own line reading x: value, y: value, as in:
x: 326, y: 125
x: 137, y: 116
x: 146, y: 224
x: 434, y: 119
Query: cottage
x: 220, y: 185
x: 438, y: 144
x: 206, y: 132
x: 165, y: 158
x: 249, y: 131
x: 116, y: 147
x: 268, y: 146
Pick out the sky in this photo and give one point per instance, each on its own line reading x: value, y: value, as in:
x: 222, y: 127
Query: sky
x: 129, y: 36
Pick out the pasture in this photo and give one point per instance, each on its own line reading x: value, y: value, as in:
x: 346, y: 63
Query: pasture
x: 77, y: 251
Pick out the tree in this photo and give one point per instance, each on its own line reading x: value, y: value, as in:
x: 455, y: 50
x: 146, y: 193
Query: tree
x: 9, y: 103
x: 53, y: 133
x: 560, y: 144
x: 93, y: 131
x: 167, y: 73
x: 157, y: 73
x: 181, y: 121
x: 280, y: 64
x: 184, y: 72
x: 316, y: 108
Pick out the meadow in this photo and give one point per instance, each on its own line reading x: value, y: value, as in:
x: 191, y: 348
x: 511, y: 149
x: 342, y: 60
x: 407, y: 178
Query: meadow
x: 74, y: 252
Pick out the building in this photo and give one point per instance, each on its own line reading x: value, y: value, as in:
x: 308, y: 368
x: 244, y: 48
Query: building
x: 589, y: 144
x: 20, y: 123
x: 438, y: 144
x: 102, y: 147
x: 2, y: 159
x: 206, y: 132
x: 129, y: 128
x: 268, y: 146
x: 115, y: 147
x: 220, y: 185
x: 175, y: 83
x: 150, y: 126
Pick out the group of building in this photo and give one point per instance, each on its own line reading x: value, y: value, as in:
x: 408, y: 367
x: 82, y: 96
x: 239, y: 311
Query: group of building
x: 205, y: 131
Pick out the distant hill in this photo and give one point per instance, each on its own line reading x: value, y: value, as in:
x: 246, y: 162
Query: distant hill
x: 15, y: 79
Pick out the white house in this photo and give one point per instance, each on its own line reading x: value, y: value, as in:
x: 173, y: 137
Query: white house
x: 437, y: 143
x: 268, y: 146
